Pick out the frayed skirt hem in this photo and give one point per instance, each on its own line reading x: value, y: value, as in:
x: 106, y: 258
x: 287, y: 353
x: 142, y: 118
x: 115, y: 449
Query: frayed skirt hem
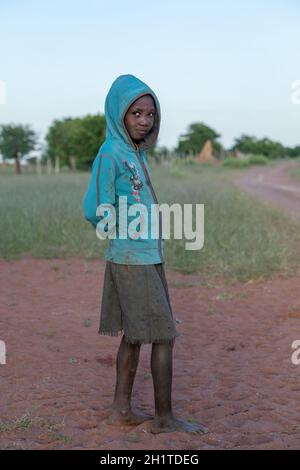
x: 139, y: 340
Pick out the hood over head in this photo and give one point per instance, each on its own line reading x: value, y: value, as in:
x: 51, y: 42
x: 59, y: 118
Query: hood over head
x: 124, y: 91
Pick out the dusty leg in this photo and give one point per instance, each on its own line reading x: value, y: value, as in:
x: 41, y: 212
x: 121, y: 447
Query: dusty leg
x: 127, y: 362
x: 161, y: 367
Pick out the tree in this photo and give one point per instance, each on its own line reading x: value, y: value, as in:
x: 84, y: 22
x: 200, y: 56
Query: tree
x: 79, y: 138
x: 197, y: 135
x: 267, y: 147
x: 16, y: 141
x: 293, y: 152
x: 245, y: 144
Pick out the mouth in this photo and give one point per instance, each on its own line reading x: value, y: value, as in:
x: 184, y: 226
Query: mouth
x: 142, y: 131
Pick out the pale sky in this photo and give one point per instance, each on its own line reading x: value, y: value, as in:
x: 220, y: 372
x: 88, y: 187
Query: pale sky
x: 227, y: 63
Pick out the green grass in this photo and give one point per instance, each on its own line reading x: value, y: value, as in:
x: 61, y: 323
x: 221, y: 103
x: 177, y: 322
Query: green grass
x: 243, y: 238
x: 295, y: 172
x: 25, y: 423
x: 41, y: 216
x: 249, y: 160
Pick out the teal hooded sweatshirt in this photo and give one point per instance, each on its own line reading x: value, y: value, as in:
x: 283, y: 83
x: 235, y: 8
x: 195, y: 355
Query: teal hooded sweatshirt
x: 121, y: 169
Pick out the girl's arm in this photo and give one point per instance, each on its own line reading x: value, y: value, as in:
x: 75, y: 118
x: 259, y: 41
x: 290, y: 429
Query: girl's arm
x: 101, y: 188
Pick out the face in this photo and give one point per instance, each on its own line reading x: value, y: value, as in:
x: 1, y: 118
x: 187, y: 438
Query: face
x: 139, y: 118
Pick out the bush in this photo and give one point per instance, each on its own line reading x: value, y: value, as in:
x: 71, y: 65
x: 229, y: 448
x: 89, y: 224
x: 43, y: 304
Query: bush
x: 258, y: 160
x: 233, y: 162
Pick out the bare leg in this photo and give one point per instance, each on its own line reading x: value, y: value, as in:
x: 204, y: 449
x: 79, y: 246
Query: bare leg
x: 127, y: 362
x: 162, y: 368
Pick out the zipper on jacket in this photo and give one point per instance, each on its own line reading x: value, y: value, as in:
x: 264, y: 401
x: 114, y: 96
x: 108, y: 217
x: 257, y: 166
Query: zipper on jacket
x: 155, y: 199
x: 137, y: 151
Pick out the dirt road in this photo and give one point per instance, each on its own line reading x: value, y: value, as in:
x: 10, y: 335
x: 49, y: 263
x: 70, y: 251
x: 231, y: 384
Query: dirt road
x: 274, y: 186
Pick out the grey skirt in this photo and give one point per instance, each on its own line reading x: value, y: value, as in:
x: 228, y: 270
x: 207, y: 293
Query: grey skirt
x: 136, y: 300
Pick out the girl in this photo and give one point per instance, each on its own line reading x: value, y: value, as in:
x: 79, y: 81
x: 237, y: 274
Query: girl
x: 135, y: 293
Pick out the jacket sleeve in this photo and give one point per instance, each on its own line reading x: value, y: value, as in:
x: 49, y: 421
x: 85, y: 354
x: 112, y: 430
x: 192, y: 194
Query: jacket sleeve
x: 101, y: 188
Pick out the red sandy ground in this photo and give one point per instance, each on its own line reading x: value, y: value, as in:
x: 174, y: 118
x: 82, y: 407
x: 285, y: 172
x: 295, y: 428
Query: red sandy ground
x: 274, y: 186
x: 232, y: 363
x: 232, y: 366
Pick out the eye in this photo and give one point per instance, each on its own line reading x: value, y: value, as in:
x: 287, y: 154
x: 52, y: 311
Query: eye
x: 136, y: 113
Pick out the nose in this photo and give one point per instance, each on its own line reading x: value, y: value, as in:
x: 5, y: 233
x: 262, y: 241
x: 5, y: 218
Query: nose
x: 144, y: 121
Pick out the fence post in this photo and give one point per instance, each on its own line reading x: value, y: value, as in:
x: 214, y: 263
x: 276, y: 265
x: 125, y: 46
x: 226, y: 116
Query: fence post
x: 49, y: 166
x: 73, y: 163
x: 57, y: 166
x: 38, y: 166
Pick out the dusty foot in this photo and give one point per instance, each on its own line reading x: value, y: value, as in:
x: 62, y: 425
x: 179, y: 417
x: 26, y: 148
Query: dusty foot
x: 173, y: 424
x: 119, y: 417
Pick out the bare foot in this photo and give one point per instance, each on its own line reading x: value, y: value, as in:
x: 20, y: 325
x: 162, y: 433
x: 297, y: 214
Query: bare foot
x: 120, y: 417
x: 173, y: 424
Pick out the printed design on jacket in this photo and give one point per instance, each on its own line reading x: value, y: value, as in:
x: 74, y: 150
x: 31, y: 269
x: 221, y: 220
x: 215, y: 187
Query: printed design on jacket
x: 135, y: 178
